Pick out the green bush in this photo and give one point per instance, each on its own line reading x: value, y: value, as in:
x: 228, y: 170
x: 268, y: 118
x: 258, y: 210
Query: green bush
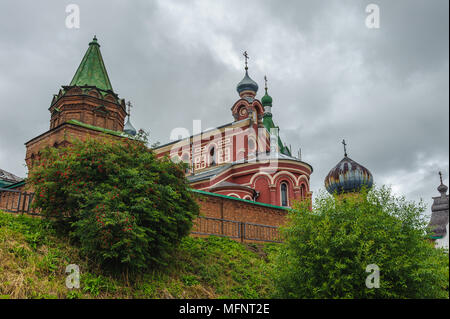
x: 122, y: 204
x: 94, y: 284
x: 326, y: 250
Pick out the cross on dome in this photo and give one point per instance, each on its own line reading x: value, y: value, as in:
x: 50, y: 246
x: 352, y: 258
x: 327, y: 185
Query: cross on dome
x: 345, y: 148
x: 129, y: 107
x: 246, y: 58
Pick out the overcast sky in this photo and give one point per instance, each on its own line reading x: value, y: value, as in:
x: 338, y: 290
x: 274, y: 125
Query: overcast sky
x: 384, y: 90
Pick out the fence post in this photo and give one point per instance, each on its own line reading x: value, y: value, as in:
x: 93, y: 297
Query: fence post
x: 30, y: 200
x: 221, y: 216
x: 23, y: 202
x: 18, y: 203
x: 242, y: 228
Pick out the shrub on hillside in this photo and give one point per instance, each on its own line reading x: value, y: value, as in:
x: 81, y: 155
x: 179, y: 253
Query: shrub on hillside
x: 116, y: 198
x: 327, y: 250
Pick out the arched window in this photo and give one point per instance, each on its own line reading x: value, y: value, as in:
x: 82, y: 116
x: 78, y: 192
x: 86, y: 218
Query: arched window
x: 284, y: 194
x: 251, y: 145
x: 212, y: 156
x: 185, y: 159
x: 303, y: 191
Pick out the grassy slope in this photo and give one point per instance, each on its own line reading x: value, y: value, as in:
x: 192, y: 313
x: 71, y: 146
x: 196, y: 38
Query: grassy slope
x: 33, y: 262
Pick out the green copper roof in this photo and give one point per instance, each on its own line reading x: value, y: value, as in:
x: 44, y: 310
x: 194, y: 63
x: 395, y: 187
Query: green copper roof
x: 96, y: 128
x: 239, y: 199
x: 92, y: 70
x: 12, y: 186
x: 268, y: 124
x: 4, y: 183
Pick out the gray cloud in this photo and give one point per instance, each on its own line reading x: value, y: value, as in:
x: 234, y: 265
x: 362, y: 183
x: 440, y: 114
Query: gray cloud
x: 384, y: 90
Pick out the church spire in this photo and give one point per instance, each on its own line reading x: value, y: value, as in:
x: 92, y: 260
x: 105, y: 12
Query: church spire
x: 92, y: 69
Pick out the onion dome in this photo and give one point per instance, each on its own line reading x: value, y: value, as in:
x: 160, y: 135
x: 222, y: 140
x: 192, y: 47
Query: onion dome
x: 266, y: 99
x: 247, y: 85
x: 129, y: 128
x: 442, y: 188
x: 348, y: 176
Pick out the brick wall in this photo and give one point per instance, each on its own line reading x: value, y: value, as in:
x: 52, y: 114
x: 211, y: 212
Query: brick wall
x: 242, y: 213
x: 59, y: 136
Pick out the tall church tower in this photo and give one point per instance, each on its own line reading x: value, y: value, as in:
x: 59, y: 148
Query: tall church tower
x: 89, y: 98
x: 88, y: 106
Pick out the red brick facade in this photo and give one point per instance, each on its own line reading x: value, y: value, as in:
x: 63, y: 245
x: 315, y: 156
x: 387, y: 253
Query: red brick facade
x: 59, y: 136
x: 240, y: 153
x: 241, y: 211
x: 88, y: 105
x: 242, y: 220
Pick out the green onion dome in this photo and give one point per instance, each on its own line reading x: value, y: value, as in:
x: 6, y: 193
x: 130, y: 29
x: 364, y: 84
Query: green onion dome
x: 266, y: 100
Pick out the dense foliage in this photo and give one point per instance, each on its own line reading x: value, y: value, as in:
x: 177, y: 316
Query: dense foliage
x: 117, y: 199
x: 327, y: 250
x: 33, y: 261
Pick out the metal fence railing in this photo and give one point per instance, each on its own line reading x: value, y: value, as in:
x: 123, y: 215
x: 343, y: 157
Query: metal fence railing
x: 234, y: 229
x: 216, y: 226
x: 16, y: 201
x: 261, y: 232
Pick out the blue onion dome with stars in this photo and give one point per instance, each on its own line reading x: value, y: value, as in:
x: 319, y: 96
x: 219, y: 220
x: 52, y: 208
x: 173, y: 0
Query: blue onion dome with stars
x: 247, y: 85
x: 348, y: 176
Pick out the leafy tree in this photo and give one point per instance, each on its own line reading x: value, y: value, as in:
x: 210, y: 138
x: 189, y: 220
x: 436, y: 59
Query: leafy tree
x: 121, y: 203
x: 327, y: 249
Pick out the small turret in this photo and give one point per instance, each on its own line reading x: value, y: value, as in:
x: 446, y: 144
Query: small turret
x: 266, y: 100
x: 129, y: 128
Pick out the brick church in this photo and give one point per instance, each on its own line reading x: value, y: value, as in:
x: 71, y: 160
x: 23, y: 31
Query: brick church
x: 242, y: 169
x: 243, y: 159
